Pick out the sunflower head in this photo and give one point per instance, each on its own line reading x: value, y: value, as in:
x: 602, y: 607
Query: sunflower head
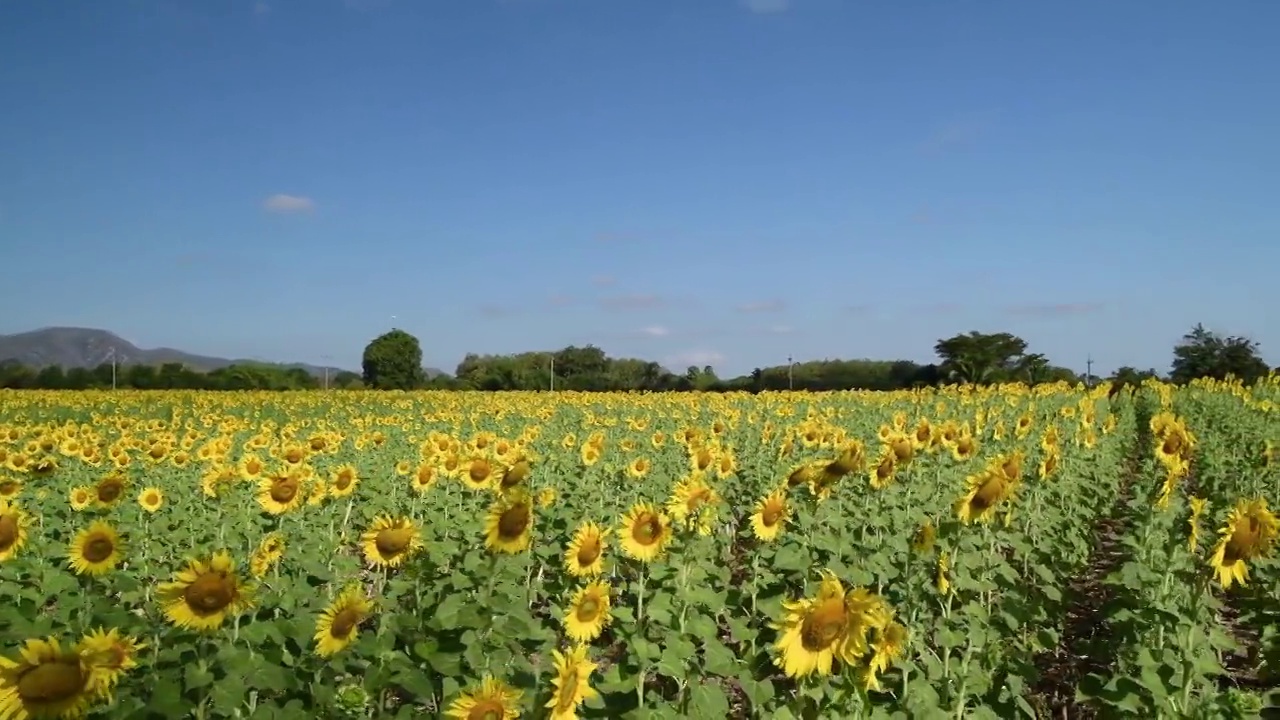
x: 491, y: 700
x: 390, y: 541
x: 509, y: 526
x: 95, y: 550
x: 205, y: 594
x: 645, y: 532
x: 48, y: 681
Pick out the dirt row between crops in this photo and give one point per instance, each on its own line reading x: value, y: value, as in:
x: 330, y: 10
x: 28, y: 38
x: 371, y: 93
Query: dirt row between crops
x: 1084, y: 647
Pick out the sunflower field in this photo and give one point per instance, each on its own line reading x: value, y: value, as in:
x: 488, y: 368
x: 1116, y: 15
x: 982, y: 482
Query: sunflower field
x: 958, y: 553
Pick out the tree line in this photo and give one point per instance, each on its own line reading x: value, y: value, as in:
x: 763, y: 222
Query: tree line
x: 393, y: 361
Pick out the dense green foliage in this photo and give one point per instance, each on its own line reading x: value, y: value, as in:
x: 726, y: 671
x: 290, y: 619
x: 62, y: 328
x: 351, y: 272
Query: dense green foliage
x: 394, y: 361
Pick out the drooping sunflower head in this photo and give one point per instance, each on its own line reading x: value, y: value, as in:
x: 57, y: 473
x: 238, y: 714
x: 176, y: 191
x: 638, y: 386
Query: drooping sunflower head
x: 279, y: 493
x: 95, y: 550
x: 571, y: 684
x: 985, y: 492
x: 390, y: 541
x: 585, y: 556
x: 645, y: 532
x: 491, y: 700
x: 204, y: 594
x: 588, y: 613
x: 509, y: 525
x: 922, y: 542
x: 339, y: 623
x: 269, y: 552
x: 1249, y: 533
x: 515, y: 475
x: 344, y: 482
x: 689, y: 497
x: 770, y: 516
x: 109, y: 654
x: 109, y: 490
x: 48, y: 681
x: 882, y: 474
x: 13, y: 530
x: 424, y: 477
x: 814, y: 631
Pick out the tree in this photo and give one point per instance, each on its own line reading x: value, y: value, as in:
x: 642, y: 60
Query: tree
x: 393, y: 361
x: 1203, y: 353
x: 979, y: 357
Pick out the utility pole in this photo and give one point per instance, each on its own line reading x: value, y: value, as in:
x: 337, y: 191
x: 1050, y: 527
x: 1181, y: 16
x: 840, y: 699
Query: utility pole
x: 1088, y: 372
x: 553, y: 372
x: 790, y: 380
x: 327, y: 359
x: 112, y: 355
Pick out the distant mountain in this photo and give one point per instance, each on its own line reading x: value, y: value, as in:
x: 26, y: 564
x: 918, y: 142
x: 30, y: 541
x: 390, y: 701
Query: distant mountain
x: 87, y: 348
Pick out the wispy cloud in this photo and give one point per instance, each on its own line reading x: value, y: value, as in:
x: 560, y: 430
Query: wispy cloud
x: 282, y: 203
x: 631, y: 302
x: 764, y: 306
x: 655, y: 331
x: 494, y: 312
x: 559, y: 300
x: 604, y: 280
x: 261, y: 8
x: 957, y: 133
x: 766, y: 7
x: 697, y: 358
x: 1054, y: 310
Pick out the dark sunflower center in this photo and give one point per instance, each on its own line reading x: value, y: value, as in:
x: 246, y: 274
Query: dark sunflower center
x: 771, y: 514
x: 1245, y: 540
x: 885, y: 469
x: 293, y: 456
x: 696, y: 499
x: 345, y: 622
x: 343, y: 480
x: 646, y: 529
x: 824, y: 625
x: 922, y: 433
x: 588, y: 552
x: 51, y: 682
x: 901, y: 449
x: 479, y: 471
x: 987, y: 495
x: 513, y: 522
x: 109, y: 490
x: 98, y: 548
x: 588, y: 609
x: 284, y: 490
x: 209, y: 593
x: 8, y: 531
x: 704, y: 459
x: 152, y: 499
x: 253, y: 467
x: 487, y: 709
x: 965, y: 446
x: 1011, y: 468
x: 1172, y: 444
x: 515, y: 475
x: 8, y: 487
x: 393, y: 541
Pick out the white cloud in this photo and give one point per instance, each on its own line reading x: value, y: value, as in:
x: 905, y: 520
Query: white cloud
x: 603, y: 280
x: 630, y: 302
x: 282, y: 203
x: 695, y: 357
x: 655, y: 331
x: 780, y: 329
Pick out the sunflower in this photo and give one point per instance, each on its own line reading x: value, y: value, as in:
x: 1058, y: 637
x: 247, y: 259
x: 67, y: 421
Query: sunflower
x: 833, y: 625
x: 344, y: 482
x: 922, y: 541
x: 571, y: 684
x: 340, y: 622
x: 546, y: 497
x: 639, y: 467
x: 95, y: 550
x: 478, y: 473
x: 888, y: 644
x: 588, y: 612
x: 110, y: 654
x: 1198, y: 506
x: 205, y: 593
x: 515, y: 475
x: 13, y: 530
x: 47, y: 681
x: 109, y: 490
x: 151, y: 499
x: 689, y: 497
x: 492, y: 700
x: 883, y: 472
x: 851, y: 459
x: 985, y: 491
x: 964, y: 448
x: 942, y: 581
x: 1249, y: 533
x: 645, y: 532
x: 268, y: 553
x: 280, y: 493
x: 509, y: 526
x: 390, y: 541
x: 585, y: 556
x: 423, y: 478
x: 770, y: 516
x: 9, y: 488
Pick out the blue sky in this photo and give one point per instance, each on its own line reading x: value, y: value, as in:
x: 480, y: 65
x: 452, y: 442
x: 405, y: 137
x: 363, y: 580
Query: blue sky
x: 690, y: 181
